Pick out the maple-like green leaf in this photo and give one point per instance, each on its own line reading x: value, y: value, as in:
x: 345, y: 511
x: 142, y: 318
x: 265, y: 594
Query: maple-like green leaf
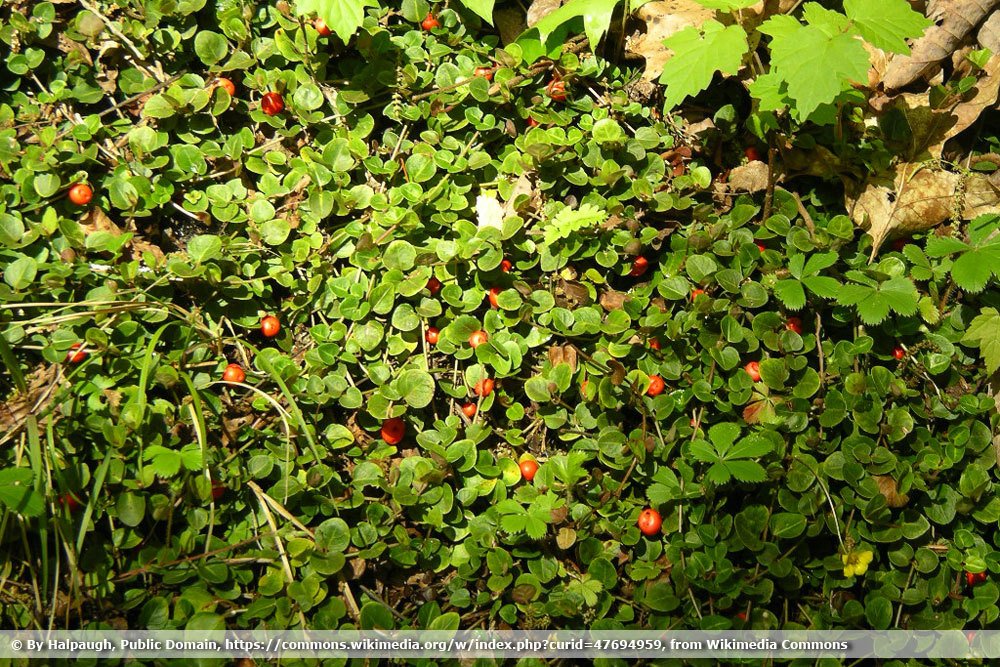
x: 790, y: 293
x: 703, y: 451
x: 343, y: 16
x: 770, y: 90
x: 817, y: 66
x: 874, y: 303
x: 484, y: 8
x: 984, y: 331
x: 975, y: 267
x: 887, y: 24
x: 596, y: 16
x: 698, y: 55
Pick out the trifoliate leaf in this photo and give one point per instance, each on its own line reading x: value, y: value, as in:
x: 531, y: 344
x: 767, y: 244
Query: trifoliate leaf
x: 790, y: 293
x: 887, y: 24
x: 746, y: 471
x: 698, y: 55
x: 984, y: 331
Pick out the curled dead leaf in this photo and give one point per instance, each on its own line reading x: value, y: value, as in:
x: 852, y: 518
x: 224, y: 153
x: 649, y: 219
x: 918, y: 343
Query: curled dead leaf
x: 613, y: 299
x: 750, y: 177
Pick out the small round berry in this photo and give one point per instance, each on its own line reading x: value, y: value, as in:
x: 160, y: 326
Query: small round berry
x: 649, y: 522
x: 794, y: 324
x: 227, y: 85
x: 432, y: 335
x: 494, y: 292
x: 434, y: 285
x: 696, y: 292
x: 81, y: 194
x: 528, y: 469
x: 393, y: 430
x: 752, y: 153
x: 753, y: 370
x: 469, y: 410
x: 484, y: 387
x: 430, y: 22
x: 639, y: 267
x: 322, y: 28
x: 506, y: 266
x: 270, y: 326
x: 234, y: 373
x: 272, y: 104
x: 478, y: 338
x: 76, y: 354
x: 898, y: 352
x: 656, y: 385
x: 484, y: 72
x: 556, y: 91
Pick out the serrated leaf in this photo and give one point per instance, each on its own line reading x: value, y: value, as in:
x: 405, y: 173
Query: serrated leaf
x: 752, y: 446
x: 698, y: 55
x: 722, y: 435
x: 790, y: 293
x: 343, y: 16
x: 974, y: 268
x: 929, y: 310
x: 941, y: 246
x: 596, y: 16
x: 874, y: 303
x: 770, y: 90
x: 746, y: 471
x: 823, y: 286
x: 703, y: 451
x: 819, y: 262
x: 816, y: 66
x: 887, y: 24
x: 984, y: 331
x: 568, y: 221
x: 718, y: 474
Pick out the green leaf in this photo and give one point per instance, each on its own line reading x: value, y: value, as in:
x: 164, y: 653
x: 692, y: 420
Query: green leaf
x: 131, y: 509
x: 790, y: 293
x: 887, y: 24
x: 16, y: 493
x: 204, y: 247
x: 816, y: 66
x: 746, y: 471
x: 874, y: 303
x: 484, y: 8
x: 210, y: 47
x: 703, y: 451
x: 569, y: 221
x: 984, y: 331
x: 596, y: 16
x: 343, y: 16
x: 416, y: 387
x: 974, y: 268
x: 752, y: 446
x: 21, y: 272
x: 698, y: 55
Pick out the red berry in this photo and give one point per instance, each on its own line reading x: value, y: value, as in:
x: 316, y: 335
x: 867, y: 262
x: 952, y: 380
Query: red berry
x: 478, y: 338
x: 484, y: 387
x: 556, y: 91
x: 218, y: 489
x: 752, y: 153
x: 505, y: 266
x: 654, y: 343
x: 234, y: 373
x: 469, y: 410
x: 322, y: 28
x: 649, y: 522
x: 753, y: 370
x: 69, y: 501
x: 528, y: 469
x: 898, y: 352
x: 272, y: 104
x: 899, y: 244
x: 229, y: 86
x: 430, y: 22
x: 639, y: 267
x: 656, y: 385
x: 494, y: 291
x: 432, y: 335
x: 532, y: 122
x: 434, y: 285
x: 76, y: 354
x: 270, y: 326
x: 81, y: 194
x: 761, y: 247
x: 393, y: 430
x: 794, y: 324
x: 484, y: 72
x: 696, y: 292
x: 973, y: 578
x: 742, y: 616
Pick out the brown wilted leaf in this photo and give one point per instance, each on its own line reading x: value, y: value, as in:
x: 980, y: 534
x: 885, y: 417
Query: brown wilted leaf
x: 559, y: 514
x: 663, y: 18
x: 954, y: 21
x: 575, y: 292
x: 563, y: 354
x: 139, y: 248
x: 618, y: 372
x: 888, y: 487
x: 989, y: 33
x: 96, y: 220
x: 750, y: 177
x: 613, y: 299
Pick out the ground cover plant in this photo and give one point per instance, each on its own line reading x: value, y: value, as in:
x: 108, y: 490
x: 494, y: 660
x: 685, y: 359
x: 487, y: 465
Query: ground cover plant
x: 408, y: 315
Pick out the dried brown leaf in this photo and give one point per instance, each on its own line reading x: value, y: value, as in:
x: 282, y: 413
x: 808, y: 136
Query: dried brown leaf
x: 750, y: 177
x: 539, y: 9
x: 618, y: 372
x: 613, y: 299
x: 989, y: 33
x: 888, y: 487
x: 510, y: 23
x: 954, y: 21
x: 96, y: 220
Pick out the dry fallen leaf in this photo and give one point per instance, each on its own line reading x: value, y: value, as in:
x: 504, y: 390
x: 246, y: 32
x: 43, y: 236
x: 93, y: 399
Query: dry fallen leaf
x: 510, y: 23
x: 989, y: 33
x: 663, y: 18
x: 539, y: 9
x: 888, y: 487
x: 750, y: 177
x: 613, y: 300
x: 954, y: 21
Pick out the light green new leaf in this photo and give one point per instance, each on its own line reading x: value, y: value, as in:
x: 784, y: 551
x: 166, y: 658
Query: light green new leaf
x: 816, y: 65
x: 698, y: 55
x: 596, y: 16
x: 343, y: 16
x: 984, y: 331
x: 770, y: 92
x: 484, y: 8
x: 568, y: 221
x: 887, y: 24
x: 974, y: 268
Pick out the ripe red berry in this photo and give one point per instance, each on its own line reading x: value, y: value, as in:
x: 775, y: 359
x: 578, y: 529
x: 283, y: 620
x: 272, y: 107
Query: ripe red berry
x: 656, y: 385
x: 69, y: 501
x: 761, y: 247
x: 434, y: 285
x: 484, y: 387
x: 528, y: 469
x: 76, y: 354
x: 234, y: 373
x: 432, y: 335
x: 393, y: 430
x: 898, y: 352
x: 753, y: 370
x: 505, y: 266
x: 794, y: 324
x: 270, y: 326
x: 494, y: 292
x: 696, y: 292
x: 81, y: 194
x: 469, y: 410
x: 973, y: 578
x: 228, y: 85
x: 430, y: 22
x: 322, y: 28
x: 532, y: 122
x: 484, y: 72
x: 478, y: 338
x: 742, y: 616
x: 218, y: 489
x: 639, y: 267
x: 272, y: 104
x: 556, y: 91
x: 654, y: 343
x: 649, y: 522
x: 752, y: 153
